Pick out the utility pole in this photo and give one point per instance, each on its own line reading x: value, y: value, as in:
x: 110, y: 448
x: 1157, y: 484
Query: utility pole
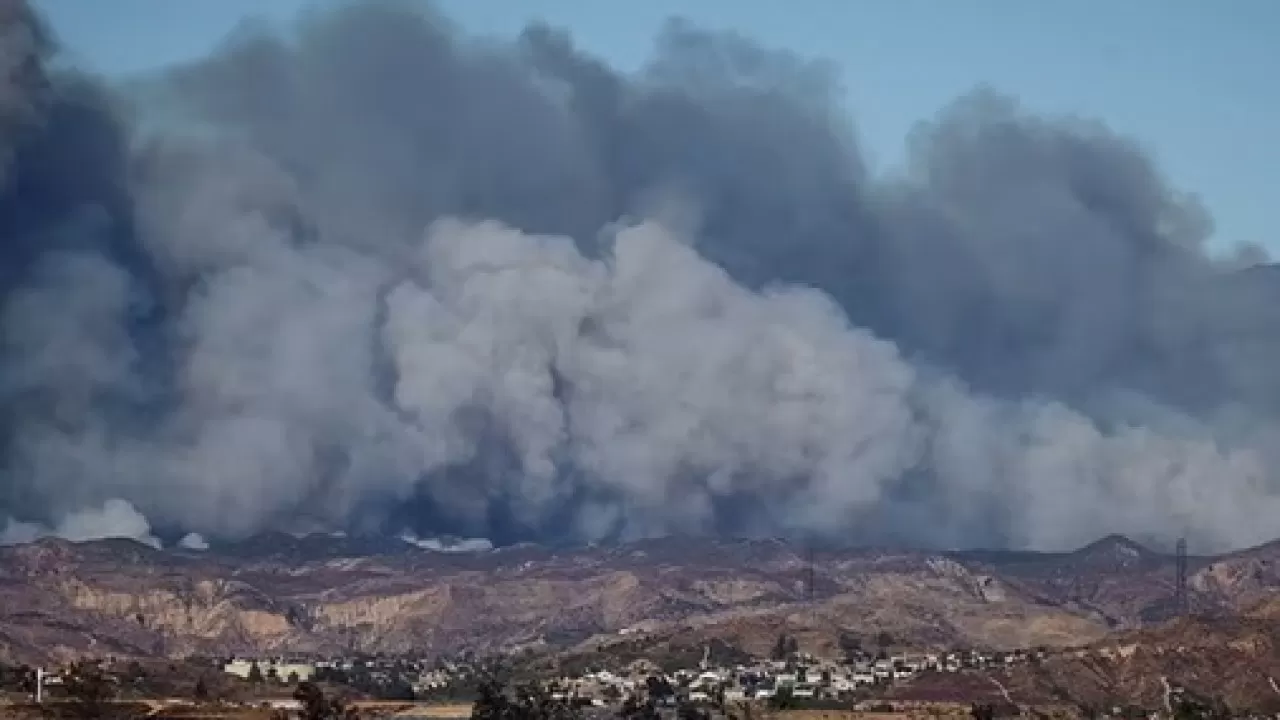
x: 1181, y: 600
x: 811, y: 590
x: 39, y: 685
x: 809, y: 581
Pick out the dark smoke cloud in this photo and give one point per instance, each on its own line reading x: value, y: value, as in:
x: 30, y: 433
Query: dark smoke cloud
x: 376, y: 276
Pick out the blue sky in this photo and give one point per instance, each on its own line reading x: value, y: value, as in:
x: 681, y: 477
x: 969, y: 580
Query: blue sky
x: 1195, y: 81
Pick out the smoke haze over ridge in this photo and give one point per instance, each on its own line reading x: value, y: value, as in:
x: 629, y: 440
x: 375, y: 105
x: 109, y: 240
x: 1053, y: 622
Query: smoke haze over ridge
x: 380, y: 277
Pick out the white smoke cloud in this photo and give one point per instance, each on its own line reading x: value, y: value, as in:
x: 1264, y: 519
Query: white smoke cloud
x: 193, y: 541
x: 115, y: 519
x: 462, y: 545
x: 688, y: 388
x: 19, y: 533
x: 667, y: 388
x: 249, y: 330
x: 646, y: 379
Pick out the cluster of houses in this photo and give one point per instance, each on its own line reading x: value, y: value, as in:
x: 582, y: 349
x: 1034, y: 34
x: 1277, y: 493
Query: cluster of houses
x: 801, y: 676
x: 420, y: 676
x: 284, y: 670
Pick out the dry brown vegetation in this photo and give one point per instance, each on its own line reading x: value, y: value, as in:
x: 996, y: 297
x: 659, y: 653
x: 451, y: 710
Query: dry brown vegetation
x: 61, y: 600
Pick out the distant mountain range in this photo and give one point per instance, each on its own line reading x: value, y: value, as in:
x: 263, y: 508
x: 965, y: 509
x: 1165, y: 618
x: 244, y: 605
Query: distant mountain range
x: 332, y: 594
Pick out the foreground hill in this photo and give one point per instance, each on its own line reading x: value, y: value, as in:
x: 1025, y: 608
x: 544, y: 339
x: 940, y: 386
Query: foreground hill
x: 1233, y: 661
x: 324, y: 594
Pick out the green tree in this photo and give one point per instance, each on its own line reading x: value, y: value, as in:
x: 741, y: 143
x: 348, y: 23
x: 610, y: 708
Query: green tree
x: 201, y: 692
x: 850, y: 646
x: 495, y: 701
x: 689, y: 711
x: 255, y: 673
x: 658, y: 688
x: 27, y: 680
x: 636, y: 709
x: 783, y: 699
x: 89, y: 691
x: 779, y: 651
x: 982, y: 711
x: 1191, y: 708
x: 398, y: 689
x: 318, y: 706
x: 134, y: 674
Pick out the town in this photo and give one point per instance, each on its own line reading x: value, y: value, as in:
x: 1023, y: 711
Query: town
x: 790, y: 673
x: 789, y: 678
x: 874, y: 681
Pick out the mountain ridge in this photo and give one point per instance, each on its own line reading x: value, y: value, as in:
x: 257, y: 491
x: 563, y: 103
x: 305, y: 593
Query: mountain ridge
x: 336, y: 543
x: 336, y: 594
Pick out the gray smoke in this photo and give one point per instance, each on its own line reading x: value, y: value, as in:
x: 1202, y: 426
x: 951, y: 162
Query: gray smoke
x: 376, y: 276
x: 115, y: 519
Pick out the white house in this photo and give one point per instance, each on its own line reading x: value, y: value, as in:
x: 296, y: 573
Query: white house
x: 241, y: 668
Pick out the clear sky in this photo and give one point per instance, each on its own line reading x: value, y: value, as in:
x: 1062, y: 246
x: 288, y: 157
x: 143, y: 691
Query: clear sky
x: 1197, y: 81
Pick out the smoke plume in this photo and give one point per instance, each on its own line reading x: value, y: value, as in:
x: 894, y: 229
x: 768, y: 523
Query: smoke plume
x: 193, y: 541
x: 115, y: 519
x: 373, y: 275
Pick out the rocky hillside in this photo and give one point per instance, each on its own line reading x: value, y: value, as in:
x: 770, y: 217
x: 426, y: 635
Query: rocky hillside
x: 1233, y: 661
x: 329, y: 594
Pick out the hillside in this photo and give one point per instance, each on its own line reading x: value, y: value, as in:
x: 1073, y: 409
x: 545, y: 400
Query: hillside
x: 324, y: 594
x: 1232, y: 660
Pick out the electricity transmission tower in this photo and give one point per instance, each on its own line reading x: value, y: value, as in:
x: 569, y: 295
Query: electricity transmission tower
x: 1181, y: 601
